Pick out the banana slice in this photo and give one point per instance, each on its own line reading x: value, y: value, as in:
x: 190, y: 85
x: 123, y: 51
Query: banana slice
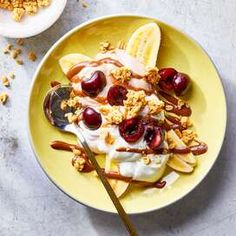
x: 120, y: 187
x: 188, y: 158
x: 70, y: 60
x: 144, y: 44
x: 177, y: 164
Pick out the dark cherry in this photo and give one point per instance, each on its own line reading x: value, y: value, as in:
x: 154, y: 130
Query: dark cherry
x: 180, y: 83
x: 91, y: 118
x: 154, y: 137
x: 116, y: 95
x: 95, y: 84
x: 131, y: 129
x: 167, y: 75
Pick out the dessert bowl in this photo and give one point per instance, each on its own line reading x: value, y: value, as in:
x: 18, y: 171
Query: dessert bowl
x: 31, y: 25
x: 176, y: 50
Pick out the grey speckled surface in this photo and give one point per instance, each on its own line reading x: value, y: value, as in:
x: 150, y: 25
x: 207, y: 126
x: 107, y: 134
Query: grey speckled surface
x: 31, y: 205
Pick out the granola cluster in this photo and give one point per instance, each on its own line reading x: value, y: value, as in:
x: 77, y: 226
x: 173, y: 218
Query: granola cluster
x: 78, y: 160
x: 21, y: 7
x: 122, y: 74
x: 188, y: 136
x: 155, y: 106
x: 152, y: 76
x: 112, y: 114
x: 134, y: 103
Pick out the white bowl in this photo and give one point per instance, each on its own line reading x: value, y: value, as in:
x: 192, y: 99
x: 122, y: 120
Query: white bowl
x: 31, y: 25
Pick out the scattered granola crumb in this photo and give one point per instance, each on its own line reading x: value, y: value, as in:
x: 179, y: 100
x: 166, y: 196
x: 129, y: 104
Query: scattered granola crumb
x: 8, y: 48
x: 84, y: 4
x: 32, y: 56
x: 122, y: 74
x: 3, y: 98
x: 5, y: 81
x: 12, y: 75
x: 105, y: 47
x: 20, y: 42
x: 19, y: 62
x: 152, y: 76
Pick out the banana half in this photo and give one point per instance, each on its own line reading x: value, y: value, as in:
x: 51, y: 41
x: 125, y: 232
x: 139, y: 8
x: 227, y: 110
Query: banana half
x: 70, y: 60
x: 185, y: 162
x: 144, y: 44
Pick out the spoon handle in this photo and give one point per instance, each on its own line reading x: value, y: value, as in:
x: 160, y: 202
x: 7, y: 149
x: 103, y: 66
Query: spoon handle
x: 111, y: 193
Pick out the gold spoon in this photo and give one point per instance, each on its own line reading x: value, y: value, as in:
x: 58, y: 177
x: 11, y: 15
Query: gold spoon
x: 56, y: 117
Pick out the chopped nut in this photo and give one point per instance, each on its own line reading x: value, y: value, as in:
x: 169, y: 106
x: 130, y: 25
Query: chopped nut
x: 12, y: 75
x: 5, y: 81
x: 134, y: 103
x: 32, y: 56
x: 3, y: 98
x: 7, y: 49
x: 109, y: 139
x: 71, y: 117
x: 152, y: 76
x: 63, y: 105
x: 169, y: 107
x: 105, y: 47
x: 20, y: 42
x: 14, y: 54
x: 155, y: 106
x: 146, y: 160
x: 78, y: 162
x: 112, y: 114
x: 188, y: 136
x: 122, y: 74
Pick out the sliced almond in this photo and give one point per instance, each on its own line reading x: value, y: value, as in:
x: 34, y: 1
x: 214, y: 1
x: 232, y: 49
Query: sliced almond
x: 179, y: 165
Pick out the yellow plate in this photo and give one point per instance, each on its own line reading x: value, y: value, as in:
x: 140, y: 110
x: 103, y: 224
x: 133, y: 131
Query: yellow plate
x: 177, y: 50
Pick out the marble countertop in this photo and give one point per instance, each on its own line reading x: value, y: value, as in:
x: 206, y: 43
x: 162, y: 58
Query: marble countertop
x: 31, y: 205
